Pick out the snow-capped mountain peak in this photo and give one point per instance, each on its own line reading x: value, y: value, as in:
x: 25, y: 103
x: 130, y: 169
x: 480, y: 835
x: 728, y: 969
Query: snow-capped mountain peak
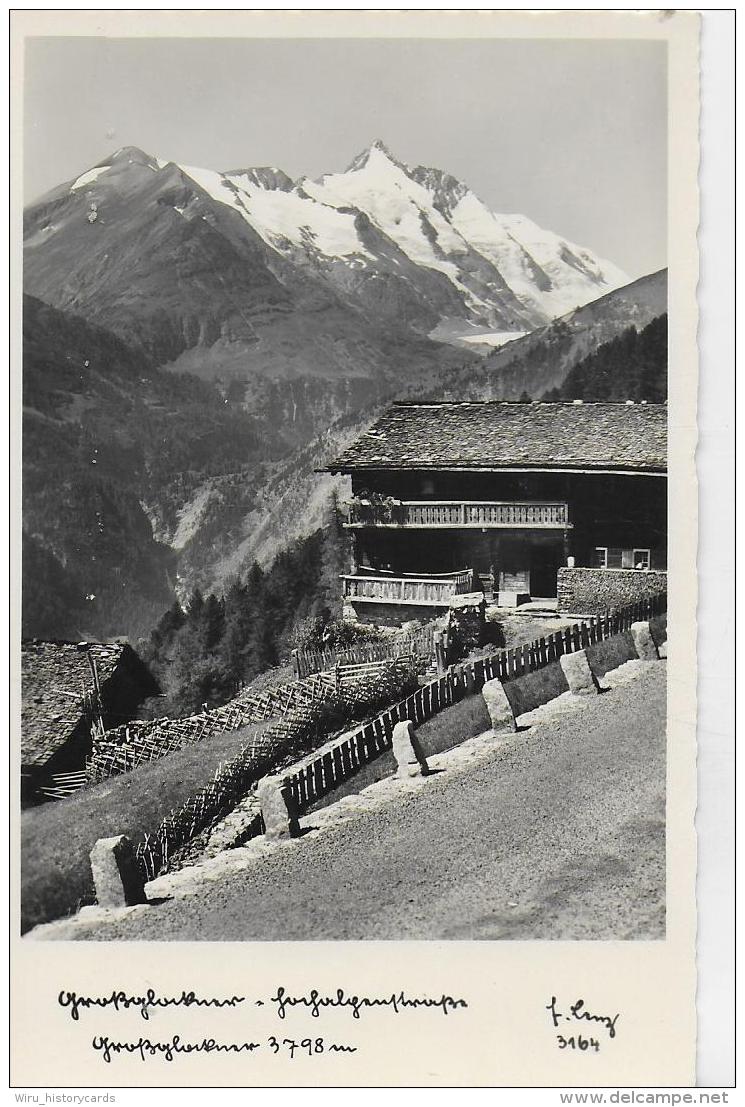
x: 446, y: 190
x: 378, y: 152
x: 411, y: 244
x: 268, y: 177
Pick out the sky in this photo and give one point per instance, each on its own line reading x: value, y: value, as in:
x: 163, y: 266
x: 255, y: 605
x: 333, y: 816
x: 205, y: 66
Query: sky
x: 571, y: 133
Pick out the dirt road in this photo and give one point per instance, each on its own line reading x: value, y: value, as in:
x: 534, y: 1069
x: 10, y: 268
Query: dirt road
x: 559, y: 834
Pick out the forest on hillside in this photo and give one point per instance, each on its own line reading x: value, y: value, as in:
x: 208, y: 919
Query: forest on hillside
x: 632, y: 366
x: 112, y: 449
x: 202, y: 654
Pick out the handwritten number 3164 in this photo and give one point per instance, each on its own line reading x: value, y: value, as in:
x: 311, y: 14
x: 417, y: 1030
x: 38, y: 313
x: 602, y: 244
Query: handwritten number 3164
x: 580, y: 1042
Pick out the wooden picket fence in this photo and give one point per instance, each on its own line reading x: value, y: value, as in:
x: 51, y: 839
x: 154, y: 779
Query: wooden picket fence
x: 319, y: 775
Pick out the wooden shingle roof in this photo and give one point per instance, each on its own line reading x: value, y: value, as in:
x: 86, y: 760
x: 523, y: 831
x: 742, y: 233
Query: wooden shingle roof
x: 55, y: 678
x: 497, y: 435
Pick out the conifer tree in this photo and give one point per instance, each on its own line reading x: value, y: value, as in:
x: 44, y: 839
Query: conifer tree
x: 334, y: 561
x: 213, y: 622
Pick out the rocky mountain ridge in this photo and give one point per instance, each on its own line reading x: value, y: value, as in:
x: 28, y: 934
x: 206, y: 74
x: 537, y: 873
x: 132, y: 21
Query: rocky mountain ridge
x: 212, y: 272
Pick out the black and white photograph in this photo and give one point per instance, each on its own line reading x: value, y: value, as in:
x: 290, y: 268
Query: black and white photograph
x: 345, y: 492
x: 345, y: 538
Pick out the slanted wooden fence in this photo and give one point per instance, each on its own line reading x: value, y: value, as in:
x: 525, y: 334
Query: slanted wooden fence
x: 337, y: 706
x: 419, y: 645
x: 138, y: 742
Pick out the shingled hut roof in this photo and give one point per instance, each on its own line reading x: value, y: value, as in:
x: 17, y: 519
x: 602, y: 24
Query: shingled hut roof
x: 55, y: 679
x: 498, y: 435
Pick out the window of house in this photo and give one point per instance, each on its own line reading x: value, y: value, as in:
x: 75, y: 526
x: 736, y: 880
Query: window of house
x: 613, y: 557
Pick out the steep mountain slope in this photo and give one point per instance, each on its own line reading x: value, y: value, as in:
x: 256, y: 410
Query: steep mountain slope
x: 541, y: 360
x: 245, y: 274
x: 290, y: 503
x: 140, y: 248
x: 112, y: 449
x: 632, y: 366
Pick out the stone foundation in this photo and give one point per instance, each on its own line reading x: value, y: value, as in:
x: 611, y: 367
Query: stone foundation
x: 394, y: 614
x: 593, y: 591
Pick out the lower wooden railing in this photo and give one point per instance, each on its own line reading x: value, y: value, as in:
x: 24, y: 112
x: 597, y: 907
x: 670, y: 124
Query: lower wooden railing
x: 430, y: 590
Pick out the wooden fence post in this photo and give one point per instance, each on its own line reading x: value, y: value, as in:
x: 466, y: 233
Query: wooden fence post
x: 318, y: 789
x: 440, y: 651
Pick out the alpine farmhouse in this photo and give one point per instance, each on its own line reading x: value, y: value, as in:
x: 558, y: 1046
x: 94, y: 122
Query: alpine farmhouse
x: 68, y: 689
x: 559, y: 502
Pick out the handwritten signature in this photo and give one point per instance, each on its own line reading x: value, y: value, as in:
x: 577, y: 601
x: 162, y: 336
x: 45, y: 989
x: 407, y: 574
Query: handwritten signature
x: 579, y: 1012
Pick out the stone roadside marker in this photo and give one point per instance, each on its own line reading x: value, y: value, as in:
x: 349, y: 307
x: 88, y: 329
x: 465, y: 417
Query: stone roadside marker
x: 501, y: 714
x: 116, y: 875
x: 407, y: 751
x: 277, y: 808
x: 580, y: 678
x: 644, y: 642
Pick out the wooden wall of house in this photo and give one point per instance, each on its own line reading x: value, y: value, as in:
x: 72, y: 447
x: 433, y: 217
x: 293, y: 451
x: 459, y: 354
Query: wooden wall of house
x: 420, y: 485
x: 411, y: 550
x: 613, y: 510
x: 619, y: 511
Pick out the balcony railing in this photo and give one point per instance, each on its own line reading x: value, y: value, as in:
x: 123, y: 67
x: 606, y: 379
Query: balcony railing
x: 458, y: 514
x: 429, y: 590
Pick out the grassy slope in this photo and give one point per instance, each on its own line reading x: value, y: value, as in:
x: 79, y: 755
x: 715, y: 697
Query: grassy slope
x: 56, y: 838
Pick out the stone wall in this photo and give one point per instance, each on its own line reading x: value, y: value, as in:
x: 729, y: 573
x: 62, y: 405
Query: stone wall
x: 583, y: 591
x: 394, y: 614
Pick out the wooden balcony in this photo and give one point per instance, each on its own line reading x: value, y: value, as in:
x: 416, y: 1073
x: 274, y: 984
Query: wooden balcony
x: 431, y: 591
x: 459, y: 515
